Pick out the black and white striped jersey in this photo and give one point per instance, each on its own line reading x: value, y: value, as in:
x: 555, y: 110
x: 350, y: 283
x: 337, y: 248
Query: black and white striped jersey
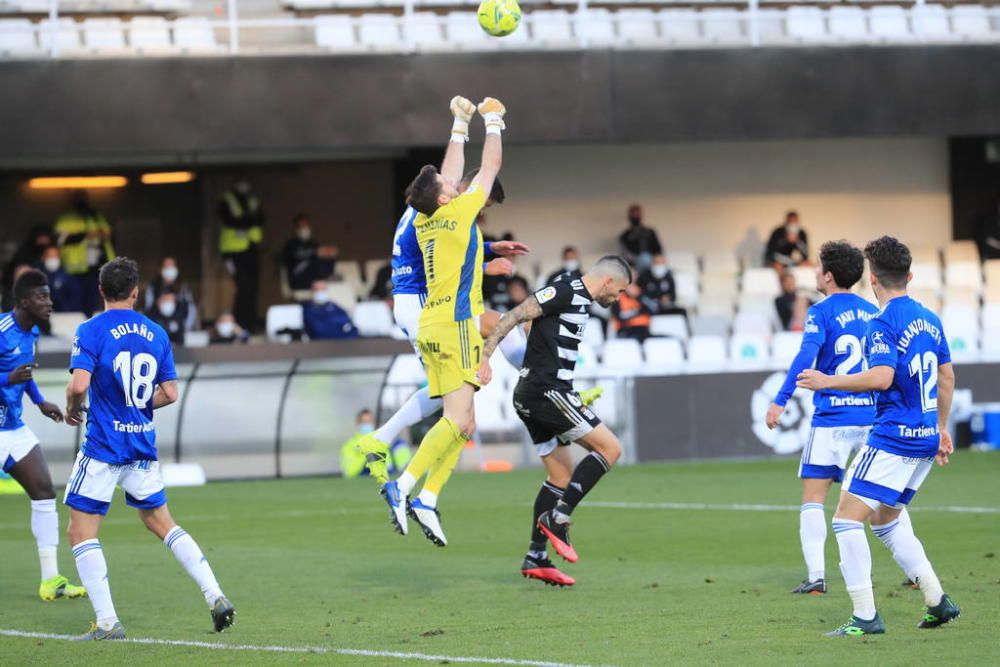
x: 553, y: 344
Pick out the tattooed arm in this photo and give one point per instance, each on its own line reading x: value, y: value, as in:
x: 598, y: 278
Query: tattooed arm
x: 528, y: 310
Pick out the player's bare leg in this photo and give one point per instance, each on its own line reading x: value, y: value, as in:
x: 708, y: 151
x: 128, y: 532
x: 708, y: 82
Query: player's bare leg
x: 32, y: 473
x: 536, y: 564
x: 812, y: 535
x: 605, y: 450
x: 187, y: 552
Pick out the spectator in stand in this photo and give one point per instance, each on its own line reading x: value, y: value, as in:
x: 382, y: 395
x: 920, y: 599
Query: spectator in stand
x: 571, y: 264
x: 85, y: 245
x: 65, y: 292
x: 791, y: 305
x: 306, y: 261
x: 242, y: 232
x: 639, y: 243
x: 517, y: 291
x: 325, y: 320
x: 352, y: 461
x: 167, y: 313
x: 227, y: 332
x: 630, y: 316
x: 788, y: 244
x: 989, y: 235
x: 382, y: 287
x: 659, y: 292
x: 168, y: 282
x: 29, y: 253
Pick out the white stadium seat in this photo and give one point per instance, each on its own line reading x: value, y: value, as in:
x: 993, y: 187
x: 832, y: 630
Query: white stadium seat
x: 930, y: 21
x: 423, y: 30
x: 679, y: 26
x: 928, y: 297
x: 889, y: 23
x: 711, y: 325
x: 753, y: 322
x: 373, y: 318
x: 379, y: 32
x: 964, y: 274
x: 551, y: 28
x: 723, y: 26
x: 926, y: 275
x: 104, y: 35
x: 636, y: 28
x: 719, y: 284
x: 281, y: 317
x: 343, y: 294
x: 748, y: 350
x: 196, y: 339
x: 715, y: 304
x: 991, y: 319
x: 961, y: 251
x: 806, y: 24
x: 770, y: 26
x: 673, y: 326
x: 64, y: 324
x: 194, y: 34
x: 67, y: 36
x: 149, y: 34
x: 924, y: 254
x: 681, y: 261
x: 785, y: 346
x: 663, y: 356
x: 622, y: 356
x: 595, y: 28
x: 970, y: 21
x: 761, y: 281
x: 805, y: 277
x: 593, y: 333
x: 706, y: 353
x: 17, y: 38
x: 963, y: 342
x: 687, y: 287
x: 991, y: 272
x: 335, y: 32
x: 961, y: 315
x: 847, y: 23
x: 464, y: 31
x: 961, y: 295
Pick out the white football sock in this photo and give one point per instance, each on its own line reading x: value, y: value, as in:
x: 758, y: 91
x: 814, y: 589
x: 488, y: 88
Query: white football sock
x: 93, y: 570
x: 428, y: 498
x: 406, y: 482
x: 417, y: 407
x: 512, y: 346
x: 909, y: 554
x: 856, y: 565
x: 45, y: 528
x: 812, y: 534
x: 189, y: 555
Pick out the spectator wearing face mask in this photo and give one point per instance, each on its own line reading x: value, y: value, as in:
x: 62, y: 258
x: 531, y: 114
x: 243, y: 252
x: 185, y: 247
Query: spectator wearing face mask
x: 659, y: 292
x: 352, y: 461
x: 168, y: 282
x: 788, y: 245
x: 29, y: 254
x: 227, y: 332
x: 571, y: 264
x: 325, y: 320
x: 305, y: 260
x: 167, y: 314
x: 65, y: 292
x: 639, y: 243
x: 630, y: 316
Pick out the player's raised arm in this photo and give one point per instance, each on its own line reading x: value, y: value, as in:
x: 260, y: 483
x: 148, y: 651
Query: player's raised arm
x: 453, y: 165
x: 529, y: 309
x: 492, y: 110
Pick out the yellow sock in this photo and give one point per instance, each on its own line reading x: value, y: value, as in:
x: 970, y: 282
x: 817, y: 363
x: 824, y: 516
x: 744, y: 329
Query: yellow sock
x: 435, y: 445
x: 440, y: 472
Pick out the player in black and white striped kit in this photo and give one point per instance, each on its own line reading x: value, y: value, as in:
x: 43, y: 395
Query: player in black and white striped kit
x: 551, y: 408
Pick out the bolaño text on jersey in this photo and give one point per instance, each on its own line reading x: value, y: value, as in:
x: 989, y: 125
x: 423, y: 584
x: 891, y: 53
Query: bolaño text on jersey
x: 131, y: 328
x: 913, y: 329
x: 918, y: 432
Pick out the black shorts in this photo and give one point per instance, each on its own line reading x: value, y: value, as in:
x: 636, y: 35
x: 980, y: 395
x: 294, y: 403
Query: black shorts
x: 553, y: 413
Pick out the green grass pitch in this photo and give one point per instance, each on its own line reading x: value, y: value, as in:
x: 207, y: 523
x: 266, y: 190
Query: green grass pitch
x: 314, y: 563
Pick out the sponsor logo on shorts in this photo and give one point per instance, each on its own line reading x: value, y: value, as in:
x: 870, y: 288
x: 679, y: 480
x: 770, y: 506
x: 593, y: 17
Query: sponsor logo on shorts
x: 428, y: 346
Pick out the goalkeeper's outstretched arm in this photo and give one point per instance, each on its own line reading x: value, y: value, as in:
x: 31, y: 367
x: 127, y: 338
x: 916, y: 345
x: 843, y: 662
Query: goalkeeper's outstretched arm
x: 453, y: 165
x: 492, y: 110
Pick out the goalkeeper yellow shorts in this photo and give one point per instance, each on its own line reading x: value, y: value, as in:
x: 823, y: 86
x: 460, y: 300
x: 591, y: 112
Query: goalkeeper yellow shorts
x: 451, y: 352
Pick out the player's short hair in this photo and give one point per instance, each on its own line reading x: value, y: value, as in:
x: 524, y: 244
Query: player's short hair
x: 28, y: 281
x: 614, y: 266
x: 890, y: 261
x: 497, y: 194
x: 422, y: 194
x: 844, y: 261
x: 118, y: 278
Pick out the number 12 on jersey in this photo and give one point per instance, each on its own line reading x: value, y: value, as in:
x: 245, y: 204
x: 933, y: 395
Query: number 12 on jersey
x: 925, y: 368
x: 137, y: 377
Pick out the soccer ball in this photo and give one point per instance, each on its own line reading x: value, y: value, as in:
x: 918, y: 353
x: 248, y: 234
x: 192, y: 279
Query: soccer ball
x: 499, y: 17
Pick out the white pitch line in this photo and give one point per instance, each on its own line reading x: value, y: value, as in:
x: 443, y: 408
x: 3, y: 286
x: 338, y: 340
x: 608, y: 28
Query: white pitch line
x: 742, y: 507
x: 304, y: 649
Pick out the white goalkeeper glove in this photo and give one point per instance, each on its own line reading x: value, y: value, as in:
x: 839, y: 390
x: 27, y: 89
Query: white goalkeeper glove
x: 492, y: 111
x: 463, y: 110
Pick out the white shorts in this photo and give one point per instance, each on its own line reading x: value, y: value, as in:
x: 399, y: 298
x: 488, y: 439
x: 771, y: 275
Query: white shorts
x: 15, y: 445
x: 829, y: 449
x: 880, y: 477
x: 92, y: 485
x: 406, y: 311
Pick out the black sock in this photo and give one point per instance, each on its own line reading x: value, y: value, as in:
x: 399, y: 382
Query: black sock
x: 587, y: 474
x: 546, y: 499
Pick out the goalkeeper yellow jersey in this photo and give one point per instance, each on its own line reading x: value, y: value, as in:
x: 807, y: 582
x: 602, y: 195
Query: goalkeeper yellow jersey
x: 452, y: 247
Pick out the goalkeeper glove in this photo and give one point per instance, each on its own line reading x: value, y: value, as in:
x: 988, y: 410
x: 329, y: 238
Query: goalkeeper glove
x: 492, y: 111
x: 462, y: 109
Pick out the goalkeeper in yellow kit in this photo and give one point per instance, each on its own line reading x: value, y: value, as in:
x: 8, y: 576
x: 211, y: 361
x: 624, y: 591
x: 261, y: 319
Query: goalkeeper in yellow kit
x: 449, y: 339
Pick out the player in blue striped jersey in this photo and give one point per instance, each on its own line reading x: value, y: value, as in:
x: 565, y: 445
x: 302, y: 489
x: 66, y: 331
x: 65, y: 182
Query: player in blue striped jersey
x: 833, y: 340
x: 910, y: 368
x: 20, y: 454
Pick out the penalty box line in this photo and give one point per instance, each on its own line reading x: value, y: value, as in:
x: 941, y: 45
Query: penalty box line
x: 748, y: 507
x: 398, y: 655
